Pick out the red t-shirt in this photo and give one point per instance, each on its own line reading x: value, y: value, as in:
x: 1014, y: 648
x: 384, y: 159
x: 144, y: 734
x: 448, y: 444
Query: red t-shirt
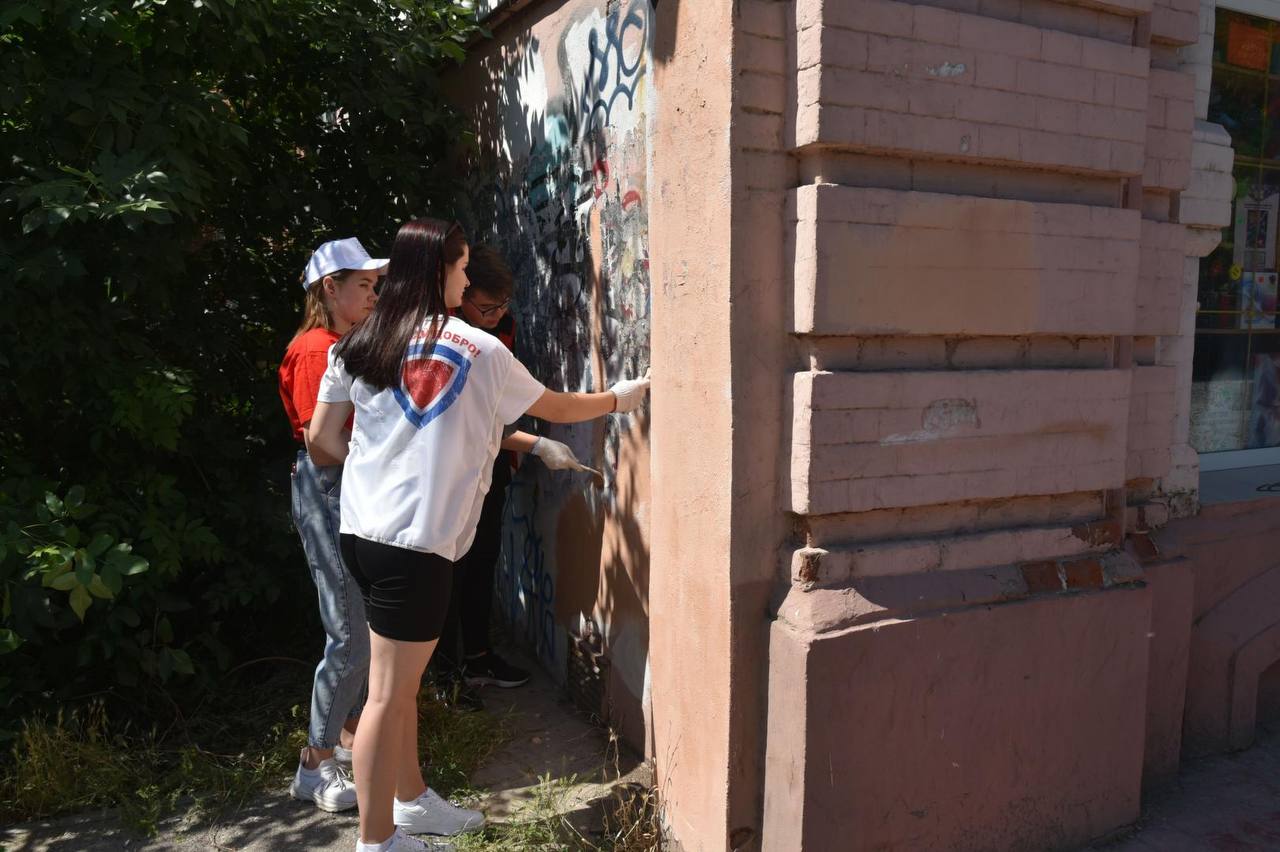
x: 304, y: 363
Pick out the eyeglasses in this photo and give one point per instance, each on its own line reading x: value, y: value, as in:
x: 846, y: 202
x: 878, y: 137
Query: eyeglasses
x: 491, y: 309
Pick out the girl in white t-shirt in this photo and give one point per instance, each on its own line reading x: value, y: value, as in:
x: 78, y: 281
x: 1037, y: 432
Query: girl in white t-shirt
x: 431, y: 395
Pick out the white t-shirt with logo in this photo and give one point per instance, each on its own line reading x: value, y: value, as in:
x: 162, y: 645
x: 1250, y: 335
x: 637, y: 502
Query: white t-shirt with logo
x: 421, y: 454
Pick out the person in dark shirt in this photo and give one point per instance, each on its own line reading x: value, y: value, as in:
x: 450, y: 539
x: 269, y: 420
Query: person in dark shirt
x: 466, y: 658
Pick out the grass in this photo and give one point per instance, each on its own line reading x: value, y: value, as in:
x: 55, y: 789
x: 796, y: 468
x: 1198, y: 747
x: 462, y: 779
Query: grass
x: 630, y: 824
x: 627, y: 821
x: 211, y: 760
x: 457, y: 743
x: 231, y: 749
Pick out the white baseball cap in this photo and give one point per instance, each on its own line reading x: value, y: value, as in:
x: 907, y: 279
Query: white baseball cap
x: 337, y: 255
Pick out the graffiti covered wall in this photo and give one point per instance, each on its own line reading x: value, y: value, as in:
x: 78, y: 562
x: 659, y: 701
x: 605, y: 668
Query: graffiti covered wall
x: 561, y: 99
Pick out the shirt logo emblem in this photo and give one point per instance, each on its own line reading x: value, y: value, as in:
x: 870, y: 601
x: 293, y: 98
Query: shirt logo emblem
x: 430, y: 381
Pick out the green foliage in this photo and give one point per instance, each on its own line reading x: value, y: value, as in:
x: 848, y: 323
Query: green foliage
x: 168, y: 168
x: 248, y: 739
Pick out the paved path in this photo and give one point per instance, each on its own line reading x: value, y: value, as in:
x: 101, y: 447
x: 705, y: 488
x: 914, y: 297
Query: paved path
x: 549, y: 737
x: 1218, y: 804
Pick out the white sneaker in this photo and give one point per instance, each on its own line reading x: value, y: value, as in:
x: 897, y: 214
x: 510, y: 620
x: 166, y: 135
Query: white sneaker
x: 327, y: 785
x: 430, y: 814
x: 343, y: 757
x: 401, y: 842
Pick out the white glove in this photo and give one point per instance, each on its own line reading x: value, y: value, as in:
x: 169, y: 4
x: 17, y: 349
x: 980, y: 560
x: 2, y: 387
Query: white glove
x: 555, y: 455
x: 630, y: 393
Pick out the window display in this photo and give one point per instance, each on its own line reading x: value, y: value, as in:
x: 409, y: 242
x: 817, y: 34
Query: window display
x: 1235, y: 392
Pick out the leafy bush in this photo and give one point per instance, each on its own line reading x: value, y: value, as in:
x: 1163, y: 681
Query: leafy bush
x: 168, y: 167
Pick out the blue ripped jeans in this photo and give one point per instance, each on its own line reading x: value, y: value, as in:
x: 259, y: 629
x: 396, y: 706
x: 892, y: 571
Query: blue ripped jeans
x: 342, y: 677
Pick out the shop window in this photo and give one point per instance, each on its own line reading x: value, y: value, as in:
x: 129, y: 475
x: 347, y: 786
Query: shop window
x: 1235, y: 393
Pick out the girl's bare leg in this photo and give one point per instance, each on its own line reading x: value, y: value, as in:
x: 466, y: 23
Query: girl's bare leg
x: 383, y: 743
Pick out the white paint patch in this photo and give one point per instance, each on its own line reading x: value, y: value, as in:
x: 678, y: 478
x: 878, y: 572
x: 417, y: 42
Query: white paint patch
x: 947, y: 69
x: 531, y: 91
x: 646, y: 707
x: 911, y: 437
x: 944, y: 418
x: 576, y: 40
x: 945, y: 414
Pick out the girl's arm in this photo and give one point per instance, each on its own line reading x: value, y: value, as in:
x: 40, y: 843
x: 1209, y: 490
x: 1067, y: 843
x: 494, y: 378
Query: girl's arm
x: 326, y: 435
x: 560, y: 407
x: 521, y: 442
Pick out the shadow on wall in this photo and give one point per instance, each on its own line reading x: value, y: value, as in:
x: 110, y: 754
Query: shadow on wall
x: 560, y: 100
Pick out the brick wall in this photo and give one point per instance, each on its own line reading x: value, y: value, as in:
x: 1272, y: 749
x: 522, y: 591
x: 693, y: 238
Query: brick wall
x: 1021, y: 94
x: 989, y: 237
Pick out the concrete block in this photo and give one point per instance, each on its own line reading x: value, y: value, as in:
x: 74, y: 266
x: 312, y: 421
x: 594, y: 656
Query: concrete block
x: 759, y: 131
x: 997, y: 71
x: 1061, y: 48
x: 1011, y: 39
x: 980, y: 709
x: 1130, y: 92
x: 763, y: 18
x: 872, y: 16
x: 932, y: 24
x: 1172, y: 587
x: 760, y: 53
x: 1115, y: 58
x: 1175, y: 27
x: 1160, y: 279
x: 761, y: 92
x: 1174, y: 85
x: 1171, y: 150
x: 1230, y: 647
x: 948, y: 88
x: 949, y: 436
x: 846, y: 87
x: 829, y: 46
x: 769, y: 170
x: 871, y: 261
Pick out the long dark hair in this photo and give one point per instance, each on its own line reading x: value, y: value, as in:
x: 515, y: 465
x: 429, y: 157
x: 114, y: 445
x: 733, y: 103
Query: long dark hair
x: 413, y: 290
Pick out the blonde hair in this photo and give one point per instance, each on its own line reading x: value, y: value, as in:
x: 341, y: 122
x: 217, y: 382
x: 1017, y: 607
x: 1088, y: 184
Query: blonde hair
x: 316, y: 313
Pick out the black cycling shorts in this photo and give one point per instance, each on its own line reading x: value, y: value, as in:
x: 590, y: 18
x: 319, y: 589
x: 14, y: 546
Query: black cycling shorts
x: 406, y: 592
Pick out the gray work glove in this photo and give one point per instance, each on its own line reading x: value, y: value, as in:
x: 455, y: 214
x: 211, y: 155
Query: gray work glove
x: 630, y: 393
x: 555, y: 455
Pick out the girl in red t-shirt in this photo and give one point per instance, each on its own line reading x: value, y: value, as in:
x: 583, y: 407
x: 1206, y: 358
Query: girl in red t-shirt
x: 341, y: 281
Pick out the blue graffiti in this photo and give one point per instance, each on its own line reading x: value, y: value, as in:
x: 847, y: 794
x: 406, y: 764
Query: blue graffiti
x: 609, y: 75
x: 528, y: 589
